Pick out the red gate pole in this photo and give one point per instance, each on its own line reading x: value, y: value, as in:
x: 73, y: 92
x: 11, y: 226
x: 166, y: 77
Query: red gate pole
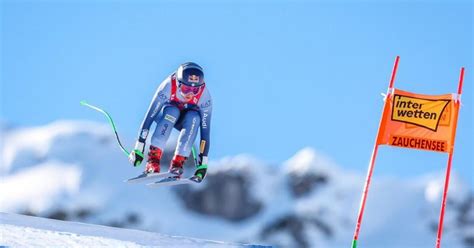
x: 450, y: 159
x: 373, y: 157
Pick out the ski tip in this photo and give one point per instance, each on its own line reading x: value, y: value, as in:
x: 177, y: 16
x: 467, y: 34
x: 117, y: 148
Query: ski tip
x: 134, y: 179
x: 172, y: 182
x: 145, y: 177
x: 130, y: 180
x: 83, y: 102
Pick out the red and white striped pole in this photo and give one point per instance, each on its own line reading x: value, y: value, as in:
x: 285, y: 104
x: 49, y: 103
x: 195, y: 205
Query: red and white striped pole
x: 373, y: 157
x: 450, y: 158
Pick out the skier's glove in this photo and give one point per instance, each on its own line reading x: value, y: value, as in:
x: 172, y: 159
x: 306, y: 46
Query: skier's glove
x: 201, y: 169
x: 201, y: 159
x: 136, y: 156
x: 200, y: 173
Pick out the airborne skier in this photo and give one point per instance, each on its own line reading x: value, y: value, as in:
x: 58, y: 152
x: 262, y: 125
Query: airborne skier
x: 181, y: 101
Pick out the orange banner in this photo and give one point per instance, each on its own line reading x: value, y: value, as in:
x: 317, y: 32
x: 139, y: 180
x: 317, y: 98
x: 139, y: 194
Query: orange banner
x: 418, y: 121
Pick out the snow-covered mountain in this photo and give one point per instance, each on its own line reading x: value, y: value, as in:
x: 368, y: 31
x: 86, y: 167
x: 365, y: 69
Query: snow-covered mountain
x: 73, y: 170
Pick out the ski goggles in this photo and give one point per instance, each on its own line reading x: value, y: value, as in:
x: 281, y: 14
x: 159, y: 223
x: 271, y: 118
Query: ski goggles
x: 186, y: 89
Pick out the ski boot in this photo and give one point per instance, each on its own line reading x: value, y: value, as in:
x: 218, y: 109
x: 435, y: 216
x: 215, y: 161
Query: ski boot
x: 153, y: 162
x: 177, y: 165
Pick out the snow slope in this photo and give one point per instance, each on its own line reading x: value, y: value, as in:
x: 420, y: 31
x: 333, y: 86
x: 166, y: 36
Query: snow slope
x: 74, y: 170
x: 26, y: 231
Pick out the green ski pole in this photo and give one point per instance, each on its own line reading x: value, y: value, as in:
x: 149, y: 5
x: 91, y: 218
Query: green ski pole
x: 84, y: 103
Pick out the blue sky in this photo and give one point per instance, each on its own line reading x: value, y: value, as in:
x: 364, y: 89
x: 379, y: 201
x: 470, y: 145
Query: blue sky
x: 283, y: 75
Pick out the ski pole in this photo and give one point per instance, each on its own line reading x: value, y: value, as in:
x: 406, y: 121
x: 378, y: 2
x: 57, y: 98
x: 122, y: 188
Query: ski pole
x: 84, y: 103
x: 194, y: 156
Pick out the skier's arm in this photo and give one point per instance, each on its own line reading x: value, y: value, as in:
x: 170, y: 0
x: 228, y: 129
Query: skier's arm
x: 204, y: 144
x: 159, y: 98
x: 205, y: 134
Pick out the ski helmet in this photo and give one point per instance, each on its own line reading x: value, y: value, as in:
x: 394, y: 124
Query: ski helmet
x: 190, y: 74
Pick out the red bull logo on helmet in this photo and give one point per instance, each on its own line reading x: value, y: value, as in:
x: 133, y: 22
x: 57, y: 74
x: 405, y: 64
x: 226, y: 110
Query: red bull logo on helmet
x: 193, y: 79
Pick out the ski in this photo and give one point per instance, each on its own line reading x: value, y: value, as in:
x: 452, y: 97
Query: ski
x: 172, y: 181
x: 148, y: 176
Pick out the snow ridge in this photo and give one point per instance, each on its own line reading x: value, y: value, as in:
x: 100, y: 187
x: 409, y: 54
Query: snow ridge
x: 27, y: 231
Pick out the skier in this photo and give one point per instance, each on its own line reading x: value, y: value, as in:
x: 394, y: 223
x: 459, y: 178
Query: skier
x: 181, y: 101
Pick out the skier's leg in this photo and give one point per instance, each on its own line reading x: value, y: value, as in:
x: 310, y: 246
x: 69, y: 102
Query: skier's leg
x: 190, y: 122
x: 164, y: 125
